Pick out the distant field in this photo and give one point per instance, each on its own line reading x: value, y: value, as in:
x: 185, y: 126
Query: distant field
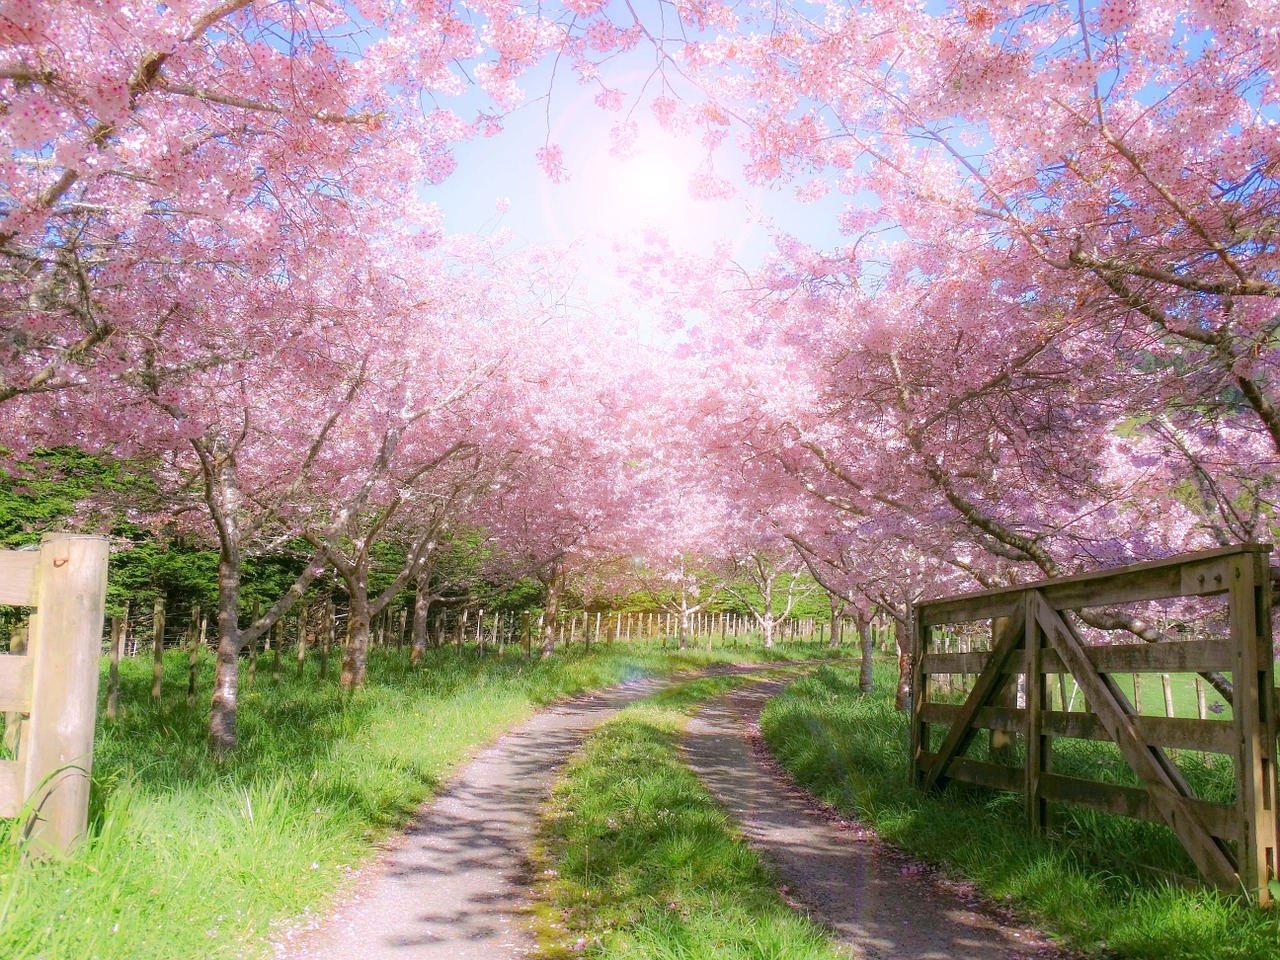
x: 1182, y: 687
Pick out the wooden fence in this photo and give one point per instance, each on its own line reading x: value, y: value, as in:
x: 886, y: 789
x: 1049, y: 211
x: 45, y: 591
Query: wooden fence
x: 50, y: 694
x: 1033, y: 637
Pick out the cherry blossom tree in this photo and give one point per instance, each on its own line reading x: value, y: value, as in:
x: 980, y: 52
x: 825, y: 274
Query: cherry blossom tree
x: 768, y: 584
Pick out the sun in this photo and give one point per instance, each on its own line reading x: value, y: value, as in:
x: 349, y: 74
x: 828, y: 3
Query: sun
x: 648, y: 189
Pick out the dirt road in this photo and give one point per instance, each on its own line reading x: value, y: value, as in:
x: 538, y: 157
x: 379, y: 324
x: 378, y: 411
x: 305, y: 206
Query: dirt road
x: 450, y: 887
x: 841, y: 876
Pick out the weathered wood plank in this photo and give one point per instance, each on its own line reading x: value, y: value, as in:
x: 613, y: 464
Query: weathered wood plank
x: 964, y: 609
x: 1205, y: 577
x: 11, y: 798
x: 15, y: 683
x: 18, y: 578
x: 918, y: 645
x: 955, y: 662
x: 1212, y: 736
x: 981, y: 773
x: 987, y: 683
x: 1153, y: 580
x: 1217, y: 819
x: 1177, y: 656
x: 1006, y: 719
x: 1249, y: 615
x: 64, y: 647
x: 1037, y: 744
x: 1164, y: 783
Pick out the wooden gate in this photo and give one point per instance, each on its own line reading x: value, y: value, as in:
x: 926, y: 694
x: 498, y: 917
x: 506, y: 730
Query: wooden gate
x: 1033, y: 637
x: 51, y: 693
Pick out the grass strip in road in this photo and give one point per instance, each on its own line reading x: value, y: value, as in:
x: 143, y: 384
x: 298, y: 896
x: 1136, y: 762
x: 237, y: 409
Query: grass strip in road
x: 1092, y: 881
x: 637, y: 861
x: 190, y: 858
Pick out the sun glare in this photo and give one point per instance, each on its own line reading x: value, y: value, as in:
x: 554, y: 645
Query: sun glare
x: 648, y: 189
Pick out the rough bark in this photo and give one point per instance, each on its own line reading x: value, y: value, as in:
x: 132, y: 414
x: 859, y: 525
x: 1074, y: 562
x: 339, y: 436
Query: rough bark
x: 421, y: 611
x: 552, y: 579
x: 226, y: 677
x: 865, y: 681
x: 357, y: 653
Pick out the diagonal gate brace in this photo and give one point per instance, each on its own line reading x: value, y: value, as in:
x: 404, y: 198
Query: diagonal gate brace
x: 1164, y: 782
x: 984, y: 688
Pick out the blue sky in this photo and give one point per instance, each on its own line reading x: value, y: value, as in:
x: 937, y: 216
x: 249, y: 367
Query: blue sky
x: 604, y: 193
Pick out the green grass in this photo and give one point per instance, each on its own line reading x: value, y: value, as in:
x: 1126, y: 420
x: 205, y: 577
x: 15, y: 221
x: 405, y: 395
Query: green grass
x: 1102, y: 883
x: 1181, y: 687
x: 188, y: 857
x: 638, y: 862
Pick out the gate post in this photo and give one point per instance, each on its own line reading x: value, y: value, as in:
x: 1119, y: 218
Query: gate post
x: 65, y: 646
x: 1249, y: 609
x: 917, y: 646
x: 1037, y: 745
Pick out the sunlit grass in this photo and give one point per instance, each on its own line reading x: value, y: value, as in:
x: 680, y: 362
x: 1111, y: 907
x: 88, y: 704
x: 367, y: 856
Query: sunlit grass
x: 190, y: 858
x: 638, y: 861
x: 1102, y: 883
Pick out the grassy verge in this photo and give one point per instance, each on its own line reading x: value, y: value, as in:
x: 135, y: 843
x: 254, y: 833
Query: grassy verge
x: 191, y: 858
x: 1093, y: 882
x: 638, y: 861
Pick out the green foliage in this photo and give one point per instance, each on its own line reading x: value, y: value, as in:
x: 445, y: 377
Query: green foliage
x: 524, y: 594
x: 640, y: 862
x: 811, y: 599
x: 43, y: 492
x: 1104, y: 883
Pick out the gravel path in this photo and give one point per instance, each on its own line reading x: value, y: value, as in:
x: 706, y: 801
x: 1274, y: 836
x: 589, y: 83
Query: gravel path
x: 843, y: 877
x: 451, y: 886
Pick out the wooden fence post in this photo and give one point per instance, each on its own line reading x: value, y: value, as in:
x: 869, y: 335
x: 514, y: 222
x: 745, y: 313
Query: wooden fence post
x: 113, y: 677
x: 64, y: 648
x: 326, y: 636
x: 919, y: 646
x: 157, y: 647
x: 193, y: 653
x: 275, y: 660
x: 253, y: 647
x: 303, y: 622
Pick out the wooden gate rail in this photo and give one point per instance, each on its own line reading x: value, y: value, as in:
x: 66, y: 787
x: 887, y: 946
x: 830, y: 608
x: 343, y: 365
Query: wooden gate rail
x: 56, y: 683
x: 1233, y: 845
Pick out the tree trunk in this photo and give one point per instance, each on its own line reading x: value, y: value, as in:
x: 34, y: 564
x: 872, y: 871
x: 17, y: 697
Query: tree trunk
x: 226, y: 676
x: 837, y: 609
x: 767, y: 625
x: 865, y: 682
x: 683, y: 643
x: 902, y: 696
x: 357, y: 653
x: 421, y: 609
x: 553, y: 581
